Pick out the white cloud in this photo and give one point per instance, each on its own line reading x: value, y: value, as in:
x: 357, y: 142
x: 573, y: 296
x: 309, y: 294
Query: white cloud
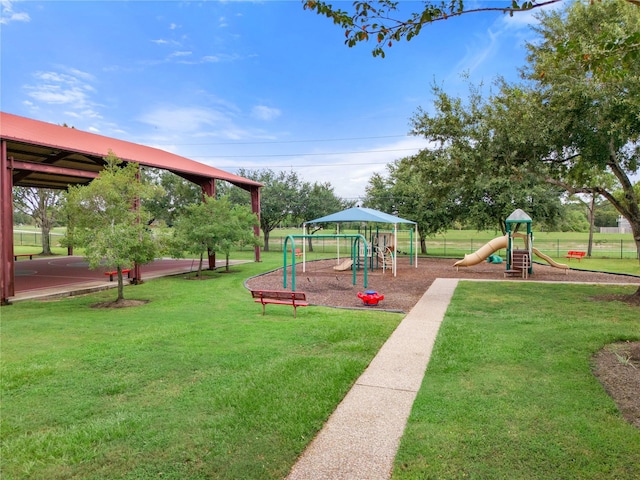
x: 174, y: 120
x: 262, y: 112
x: 69, y: 88
x: 8, y: 15
x: 180, y: 54
x: 349, y: 174
x: 220, y: 57
x: 56, y: 88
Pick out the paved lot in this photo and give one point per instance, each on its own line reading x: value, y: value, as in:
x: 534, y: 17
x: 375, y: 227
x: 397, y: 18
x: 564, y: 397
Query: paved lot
x: 42, y: 277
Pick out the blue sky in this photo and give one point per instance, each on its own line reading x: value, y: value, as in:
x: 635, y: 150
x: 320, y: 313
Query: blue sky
x: 243, y: 84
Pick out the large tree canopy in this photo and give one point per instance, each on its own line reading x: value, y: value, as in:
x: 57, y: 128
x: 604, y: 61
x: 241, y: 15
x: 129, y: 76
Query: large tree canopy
x: 573, y: 123
x: 382, y: 20
x: 583, y: 97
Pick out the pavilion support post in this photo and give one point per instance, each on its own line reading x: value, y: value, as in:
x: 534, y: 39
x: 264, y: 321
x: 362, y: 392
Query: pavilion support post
x: 255, y: 208
x: 137, y: 272
x: 7, y: 286
x: 209, y: 190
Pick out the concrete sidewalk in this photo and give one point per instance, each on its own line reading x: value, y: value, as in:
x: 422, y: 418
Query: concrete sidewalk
x: 360, y: 439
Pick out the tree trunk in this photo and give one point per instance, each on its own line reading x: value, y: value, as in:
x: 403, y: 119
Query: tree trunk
x: 266, y: 240
x: 635, y: 231
x: 592, y: 219
x: 200, y: 264
x: 46, y: 240
x: 227, y: 263
x: 45, y: 222
x: 310, y: 244
x: 120, y: 285
x: 423, y: 246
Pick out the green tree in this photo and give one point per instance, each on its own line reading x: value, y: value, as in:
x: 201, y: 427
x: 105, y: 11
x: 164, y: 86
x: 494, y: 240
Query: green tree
x: 383, y: 21
x: 178, y: 194
x: 465, y: 167
x: 41, y: 204
x: 236, y: 223
x: 317, y: 200
x: 280, y: 198
x: 106, y: 223
x: 409, y: 193
x: 576, y: 123
x: 214, y: 225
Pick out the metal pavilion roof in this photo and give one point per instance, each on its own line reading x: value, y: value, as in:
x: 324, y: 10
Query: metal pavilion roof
x: 44, y: 155
x: 53, y: 156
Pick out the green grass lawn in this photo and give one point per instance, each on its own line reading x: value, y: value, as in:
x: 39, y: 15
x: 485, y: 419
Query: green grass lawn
x: 509, y: 392
x: 195, y: 384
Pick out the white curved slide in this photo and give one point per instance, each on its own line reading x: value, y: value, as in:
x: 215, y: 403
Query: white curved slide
x: 483, y: 252
x: 550, y: 260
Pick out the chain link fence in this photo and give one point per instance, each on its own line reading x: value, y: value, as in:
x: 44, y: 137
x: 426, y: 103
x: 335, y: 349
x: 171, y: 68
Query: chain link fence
x: 436, y: 247
x: 454, y: 248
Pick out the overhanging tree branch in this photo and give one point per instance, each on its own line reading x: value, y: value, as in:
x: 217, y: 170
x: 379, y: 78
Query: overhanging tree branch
x: 374, y: 18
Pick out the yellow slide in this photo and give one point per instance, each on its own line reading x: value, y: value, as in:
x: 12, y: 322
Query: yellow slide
x: 483, y: 252
x: 550, y: 260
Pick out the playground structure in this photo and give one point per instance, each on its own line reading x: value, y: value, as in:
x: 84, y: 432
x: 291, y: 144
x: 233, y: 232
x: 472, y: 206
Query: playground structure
x: 512, y: 223
x: 357, y: 242
x: 382, y: 247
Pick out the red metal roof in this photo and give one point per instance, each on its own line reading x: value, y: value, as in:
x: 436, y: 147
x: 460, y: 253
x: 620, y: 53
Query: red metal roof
x: 17, y: 130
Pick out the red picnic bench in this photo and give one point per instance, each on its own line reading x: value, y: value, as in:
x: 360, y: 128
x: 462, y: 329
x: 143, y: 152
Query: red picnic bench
x: 575, y: 254
x: 280, y: 297
x: 115, y: 272
x: 30, y: 255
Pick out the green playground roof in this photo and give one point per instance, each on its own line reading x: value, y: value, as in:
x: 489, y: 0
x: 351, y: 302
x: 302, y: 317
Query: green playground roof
x: 518, y: 216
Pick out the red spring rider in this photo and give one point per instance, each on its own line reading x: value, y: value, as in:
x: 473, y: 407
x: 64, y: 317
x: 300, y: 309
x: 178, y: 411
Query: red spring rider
x: 370, y: 297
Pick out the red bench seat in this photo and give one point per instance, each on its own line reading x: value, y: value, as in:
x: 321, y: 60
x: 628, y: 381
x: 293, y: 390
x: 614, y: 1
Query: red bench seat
x: 280, y: 297
x: 575, y: 254
x: 115, y: 272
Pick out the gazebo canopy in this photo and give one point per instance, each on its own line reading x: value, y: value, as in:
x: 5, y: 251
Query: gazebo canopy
x: 359, y: 214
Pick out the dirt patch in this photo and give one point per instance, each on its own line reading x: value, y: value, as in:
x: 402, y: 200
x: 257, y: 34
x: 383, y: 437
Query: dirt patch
x: 628, y: 299
x: 120, y: 304
x: 617, y: 366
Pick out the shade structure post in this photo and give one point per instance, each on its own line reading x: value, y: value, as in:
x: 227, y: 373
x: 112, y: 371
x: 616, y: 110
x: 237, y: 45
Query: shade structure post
x: 415, y: 241
x: 395, y: 247
x: 338, y: 242
x: 304, y: 251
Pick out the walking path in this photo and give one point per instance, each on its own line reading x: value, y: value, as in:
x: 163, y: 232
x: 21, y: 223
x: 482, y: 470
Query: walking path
x: 360, y: 439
